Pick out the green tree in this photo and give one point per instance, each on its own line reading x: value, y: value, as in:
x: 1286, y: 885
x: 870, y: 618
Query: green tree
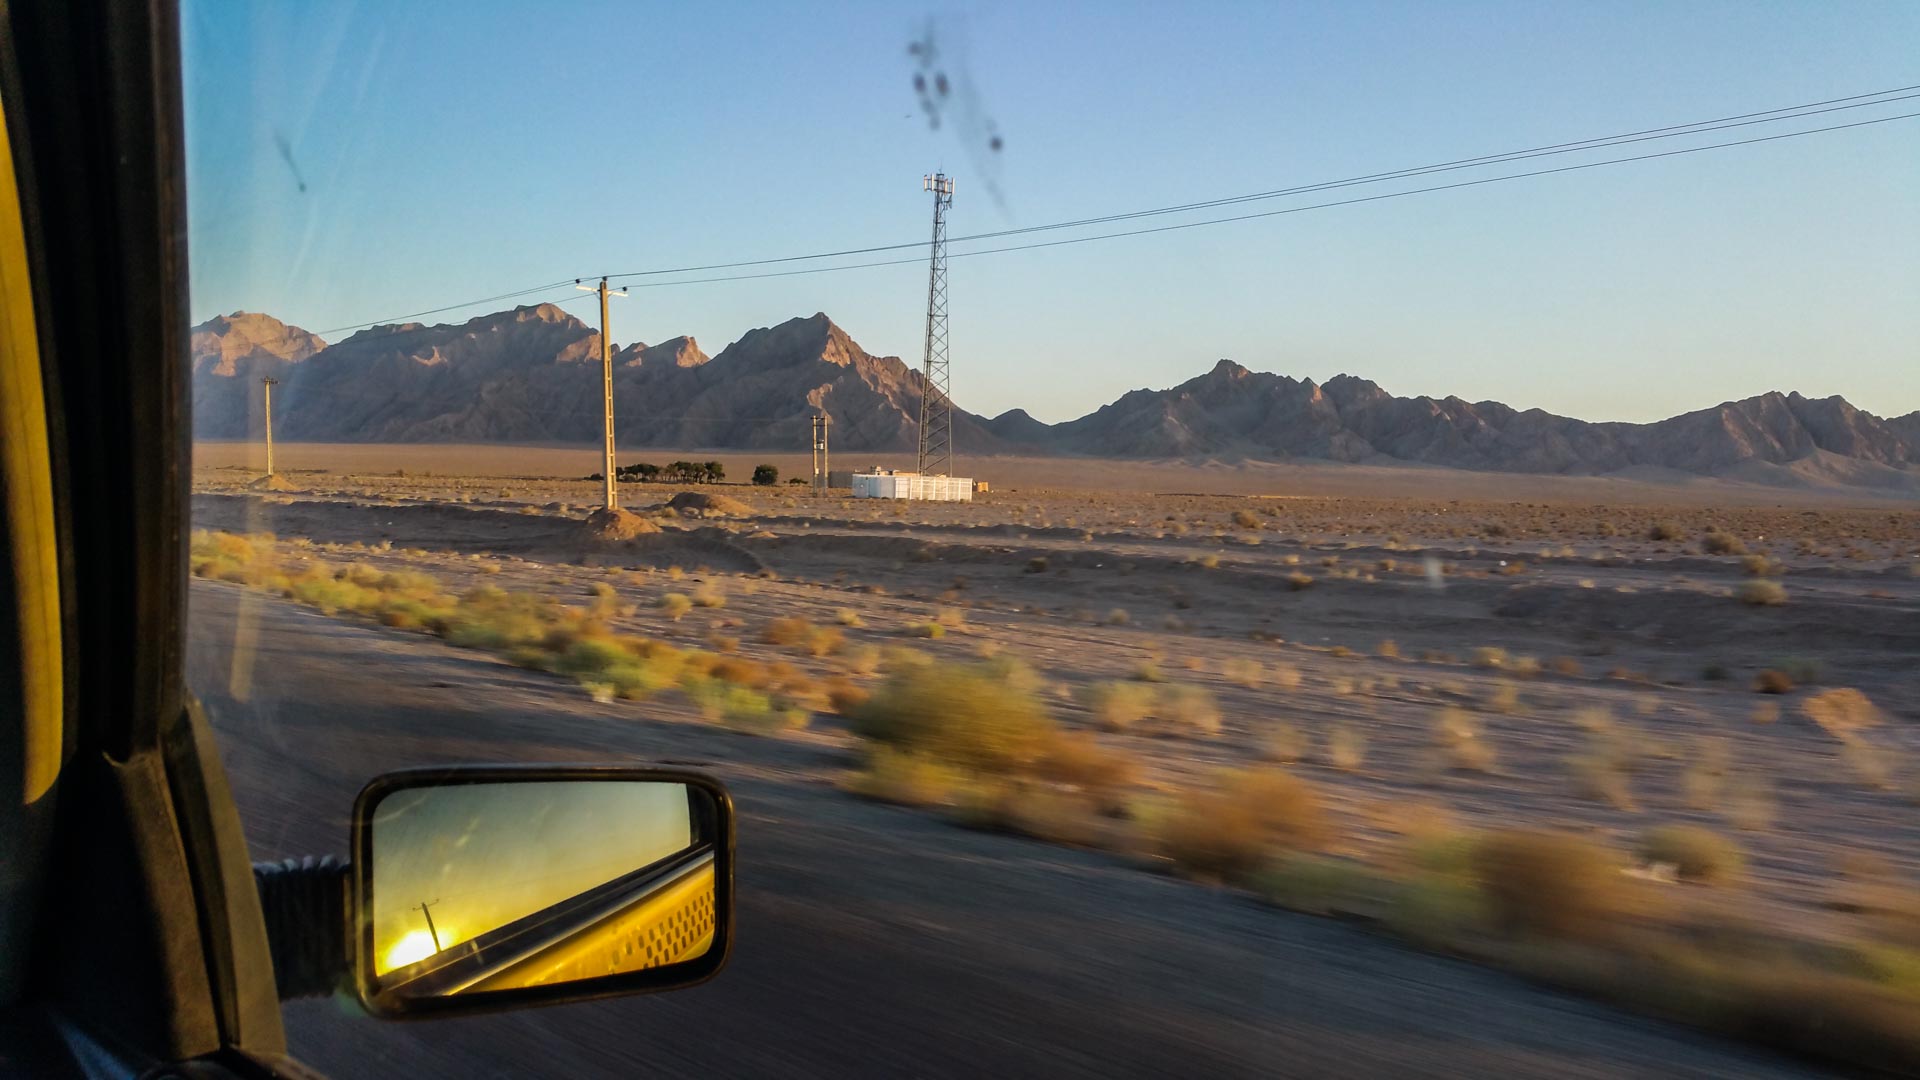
x: 766, y: 475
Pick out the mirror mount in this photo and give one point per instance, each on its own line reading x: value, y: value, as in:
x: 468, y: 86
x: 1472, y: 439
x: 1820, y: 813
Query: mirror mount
x: 305, y: 904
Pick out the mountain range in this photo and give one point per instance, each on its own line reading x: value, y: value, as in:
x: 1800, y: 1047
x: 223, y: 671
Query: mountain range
x: 532, y: 374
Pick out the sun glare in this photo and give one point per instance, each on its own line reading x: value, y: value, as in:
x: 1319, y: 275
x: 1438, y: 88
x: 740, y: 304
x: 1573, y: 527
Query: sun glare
x: 416, y: 946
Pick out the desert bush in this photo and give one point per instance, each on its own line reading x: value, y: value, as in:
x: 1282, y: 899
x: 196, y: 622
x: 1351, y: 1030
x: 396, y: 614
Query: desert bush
x: 706, y: 596
x: 1762, y: 566
x: 971, y: 716
x: 1187, y: 710
x: 1078, y: 760
x: 1547, y: 884
x: 1720, y: 543
x: 1284, y: 742
x: 891, y: 775
x: 1231, y: 829
x: 924, y: 630
x: 1117, y: 617
x: 1842, y: 712
x: 1346, y: 747
x: 1118, y: 706
x: 1458, y: 738
x: 1245, y: 520
x: 675, y: 605
x: 1286, y: 677
x: 1316, y: 884
x: 849, y: 618
x: 1696, y: 854
x: 843, y: 697
x: 1772, y: 681
x: 1503, y: 697
x: 1242, y: 672
x: 1762, y: 592
x: 1037, y: 564
x: 1298, y: 581
x: 862, y: 660
x: 1388, y: 649
x: 1664, y: 531
x: 1148, y: 671
x: 1489, y: 656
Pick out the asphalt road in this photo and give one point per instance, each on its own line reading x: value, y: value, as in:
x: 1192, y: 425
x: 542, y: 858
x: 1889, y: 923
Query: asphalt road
x: 870, y: 940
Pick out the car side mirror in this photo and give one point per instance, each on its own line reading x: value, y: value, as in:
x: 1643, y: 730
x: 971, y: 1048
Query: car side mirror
x: 489, y: 887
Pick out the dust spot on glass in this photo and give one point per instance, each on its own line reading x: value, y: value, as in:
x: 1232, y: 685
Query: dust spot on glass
x: 286, y: 154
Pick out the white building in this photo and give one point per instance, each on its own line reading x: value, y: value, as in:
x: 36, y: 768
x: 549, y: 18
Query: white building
x: 892, y: 484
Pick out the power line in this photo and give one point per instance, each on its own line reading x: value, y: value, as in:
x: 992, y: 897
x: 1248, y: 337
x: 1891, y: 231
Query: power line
x: 1697, y: 128
x: 1287, y: 210
x: 1791, y: 112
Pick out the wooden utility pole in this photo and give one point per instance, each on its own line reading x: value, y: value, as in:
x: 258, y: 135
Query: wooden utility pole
x: 606, y: 376
x: 431, y: 931
x: 268, y: 382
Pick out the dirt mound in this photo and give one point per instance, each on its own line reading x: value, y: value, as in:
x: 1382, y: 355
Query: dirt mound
x: 605, y: 524
x: 273, y: 482
x: 701, y: 504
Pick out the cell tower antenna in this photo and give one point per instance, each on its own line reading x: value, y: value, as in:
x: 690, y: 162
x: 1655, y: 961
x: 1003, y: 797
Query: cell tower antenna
x: 936, y: 401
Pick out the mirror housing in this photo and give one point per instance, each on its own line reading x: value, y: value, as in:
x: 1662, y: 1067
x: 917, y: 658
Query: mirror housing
x: 537, y: 884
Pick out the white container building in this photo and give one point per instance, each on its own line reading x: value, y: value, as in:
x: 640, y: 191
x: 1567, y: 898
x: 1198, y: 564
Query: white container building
x: 892, y: 484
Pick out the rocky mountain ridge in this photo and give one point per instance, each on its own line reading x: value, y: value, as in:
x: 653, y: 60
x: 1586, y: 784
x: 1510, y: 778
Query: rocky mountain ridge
x: 532, y: 375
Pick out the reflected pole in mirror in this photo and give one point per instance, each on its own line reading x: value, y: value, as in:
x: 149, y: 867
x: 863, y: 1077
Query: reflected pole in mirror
x: 431, y: 932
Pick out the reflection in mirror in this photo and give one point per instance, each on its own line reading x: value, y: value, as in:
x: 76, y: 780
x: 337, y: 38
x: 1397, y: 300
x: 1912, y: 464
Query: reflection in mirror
x: 502, y: 885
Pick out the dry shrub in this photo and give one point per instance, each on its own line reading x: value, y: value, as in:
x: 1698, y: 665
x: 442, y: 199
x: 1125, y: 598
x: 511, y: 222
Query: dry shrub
x: 930, y: 630
x: 1247, y: 673
x: 1546, y: 884
x: 1489, y: 656
x: 1298, y: 581
x: 1503, y: 697
x: 1077, y: 760
x: 1229, y: 831
x: 1761, y: 592
x: 1772, y: 681
x: 1762, y: 566
x: 1696, y: 854
x: 1664, y: 531
x: 1721, y: 543
x: 982, y: 717
x: 1286, y: 677
x: 1388, y: 649
x: 890, y: 775
x: 1346, y: 747
x: 675, y: 605
x: 1245, y: 520
x: 707, y: 596
x: 1317, y: 884
x: 843, y: 697
x: 1284, y: 743
x: 1842, y: 712
x: 1458, y: 738
x: 1118, y: 617
x: 1564, y: 665
x: 849, y: 618
x: 1186, y: 710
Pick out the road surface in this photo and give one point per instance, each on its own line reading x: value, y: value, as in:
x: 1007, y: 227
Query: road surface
x: 871, y: 941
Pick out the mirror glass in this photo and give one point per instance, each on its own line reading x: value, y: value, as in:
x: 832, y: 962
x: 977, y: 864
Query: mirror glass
x: 498, y: 885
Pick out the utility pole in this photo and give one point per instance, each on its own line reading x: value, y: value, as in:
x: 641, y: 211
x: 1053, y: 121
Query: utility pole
x: 431, y: 932
x: 268, y: 382
x: 822, y: 477
x: 936, y: 404
x: 606, y: 377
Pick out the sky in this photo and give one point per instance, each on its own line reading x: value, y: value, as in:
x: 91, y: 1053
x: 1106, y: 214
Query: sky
x: 352, y: 163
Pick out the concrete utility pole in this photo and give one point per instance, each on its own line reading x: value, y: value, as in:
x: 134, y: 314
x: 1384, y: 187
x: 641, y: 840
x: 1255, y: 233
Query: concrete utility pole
x: 822, y: 478
x: 268, y: 382
x: 606, y: 376
x: 936, y: 404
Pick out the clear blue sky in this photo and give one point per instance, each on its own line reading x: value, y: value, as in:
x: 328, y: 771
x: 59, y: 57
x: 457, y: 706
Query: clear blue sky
x: 456, y: 150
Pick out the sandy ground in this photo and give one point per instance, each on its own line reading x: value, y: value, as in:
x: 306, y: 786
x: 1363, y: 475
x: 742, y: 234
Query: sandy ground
x: 1091, y: 586
x: 1054, y: 473
x: 871, y: 940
